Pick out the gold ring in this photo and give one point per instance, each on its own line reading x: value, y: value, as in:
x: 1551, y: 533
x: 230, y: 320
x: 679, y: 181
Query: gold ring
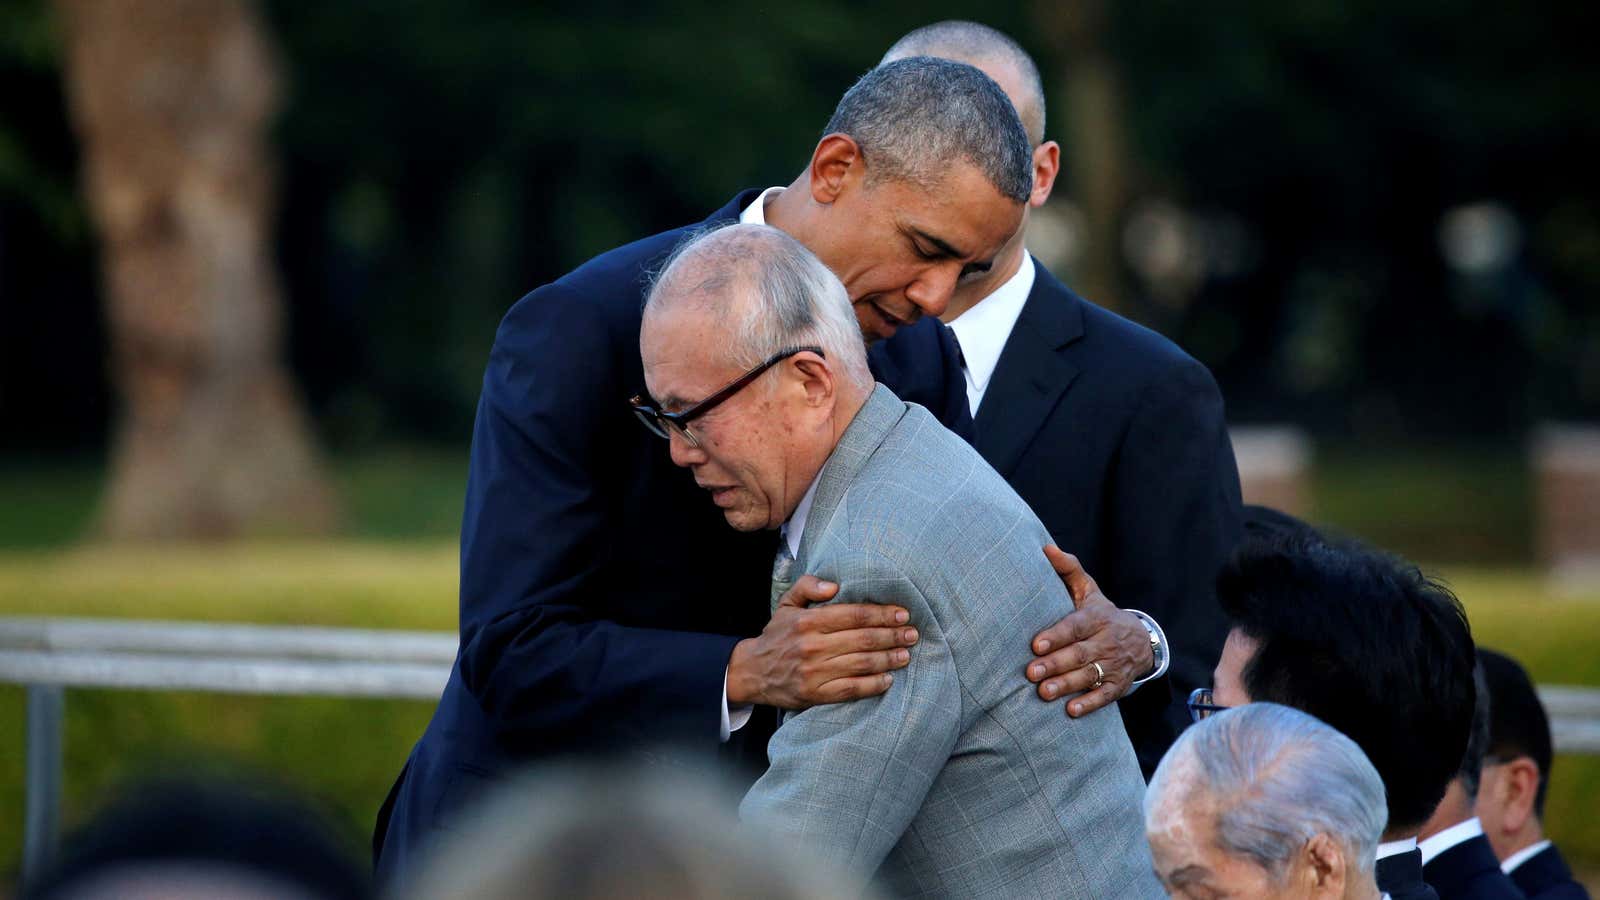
x: 1099, y: 675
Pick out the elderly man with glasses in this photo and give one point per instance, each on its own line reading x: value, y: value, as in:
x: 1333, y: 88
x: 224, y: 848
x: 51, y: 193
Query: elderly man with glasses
x: 957, y: 783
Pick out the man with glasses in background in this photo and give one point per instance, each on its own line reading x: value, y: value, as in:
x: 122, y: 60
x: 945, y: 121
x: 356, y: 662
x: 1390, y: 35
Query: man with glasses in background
x: 1366, y: 643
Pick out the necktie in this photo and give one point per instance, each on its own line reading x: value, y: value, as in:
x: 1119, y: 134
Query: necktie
x: 782, y: 572
x: 961, y: 358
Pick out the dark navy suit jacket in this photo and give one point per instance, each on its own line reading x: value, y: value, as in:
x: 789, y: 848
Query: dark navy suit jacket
x: 1400, y: 876
x: 601, y: 592
x: 1545, y: 876
x: 1469, y: 871
x: 1116, y: 438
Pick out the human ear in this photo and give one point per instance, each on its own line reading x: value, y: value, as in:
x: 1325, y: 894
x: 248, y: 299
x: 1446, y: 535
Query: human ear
x: 815, y: 378
x: 1046, y: 166
x: 836, y: 156
x: 1521, y: 780
x: 1325, y: 866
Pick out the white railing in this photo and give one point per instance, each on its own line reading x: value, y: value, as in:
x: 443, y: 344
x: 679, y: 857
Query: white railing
x: 49, y: 655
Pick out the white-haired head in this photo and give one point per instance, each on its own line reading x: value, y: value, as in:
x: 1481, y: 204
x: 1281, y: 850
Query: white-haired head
x: 1255, y: 790
x: 771, y: 292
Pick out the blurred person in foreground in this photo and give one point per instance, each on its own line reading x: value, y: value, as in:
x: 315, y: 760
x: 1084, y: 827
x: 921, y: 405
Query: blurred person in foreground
x: 957, y: 783
x: 1111, y: 433
x: 607, y: 833
x: 605, y: 606
x: 1457, y: 860
x: 1265, y: 801
x: 172, y: 840
x: 1515, y: 782
x: 1369, y: 645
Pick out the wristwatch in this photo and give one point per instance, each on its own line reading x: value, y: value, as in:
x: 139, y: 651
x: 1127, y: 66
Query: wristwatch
x: 1158, y: 647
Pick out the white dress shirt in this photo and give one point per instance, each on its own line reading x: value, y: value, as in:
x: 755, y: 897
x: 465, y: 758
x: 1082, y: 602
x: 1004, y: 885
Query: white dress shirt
x: 1395, y: 848
x: 756, y: 212
x: 984, y: 329
x: 1523, y: 855
x: 1444, y: 840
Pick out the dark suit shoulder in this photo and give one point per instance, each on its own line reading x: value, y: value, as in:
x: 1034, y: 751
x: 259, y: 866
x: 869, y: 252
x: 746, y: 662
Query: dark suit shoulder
x: 1127, y: 346
x: 1469, y: 871
x: 1545, y: 876
x: 612, y: 285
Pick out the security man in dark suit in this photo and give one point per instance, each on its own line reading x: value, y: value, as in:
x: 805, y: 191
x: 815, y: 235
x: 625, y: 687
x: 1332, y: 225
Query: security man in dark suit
x: 605, y: 605
x: 1515, y: 781
x: 1457, y: 860
x: 1112, y: 434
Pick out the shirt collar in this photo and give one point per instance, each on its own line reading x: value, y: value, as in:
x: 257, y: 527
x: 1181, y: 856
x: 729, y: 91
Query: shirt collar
x: 984, y: 329
x: 1395, y: 848
x: 796, y: 526
x: 756, y: 212
x: 1444, y: 840
x: 1523, y: 855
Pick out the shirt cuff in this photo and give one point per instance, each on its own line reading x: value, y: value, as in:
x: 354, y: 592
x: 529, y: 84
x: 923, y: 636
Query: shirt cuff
x: 1162, y: 652
x: 732, y: 719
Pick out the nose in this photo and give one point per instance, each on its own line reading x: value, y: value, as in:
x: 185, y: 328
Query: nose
x: 932, y: 290
x: 682, y: 452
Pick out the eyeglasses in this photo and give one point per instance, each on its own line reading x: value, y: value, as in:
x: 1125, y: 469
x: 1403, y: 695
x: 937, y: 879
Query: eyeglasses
x: 665, y: 425
x: 1200, y: 704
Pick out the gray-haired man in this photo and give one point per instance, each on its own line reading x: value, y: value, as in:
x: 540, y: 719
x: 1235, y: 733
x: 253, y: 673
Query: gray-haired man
x: 958, y: 782
x: 1265, y: 801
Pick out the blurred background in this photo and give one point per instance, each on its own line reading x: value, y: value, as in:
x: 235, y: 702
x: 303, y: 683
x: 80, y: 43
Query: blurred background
x: 252, y: 256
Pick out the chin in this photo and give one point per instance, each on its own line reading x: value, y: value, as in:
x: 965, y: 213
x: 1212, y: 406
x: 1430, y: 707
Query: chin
x: 744, y: 521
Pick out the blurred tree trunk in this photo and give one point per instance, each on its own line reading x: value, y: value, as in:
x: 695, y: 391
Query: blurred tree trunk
x: 171, y: 100
x: 1094, y: 143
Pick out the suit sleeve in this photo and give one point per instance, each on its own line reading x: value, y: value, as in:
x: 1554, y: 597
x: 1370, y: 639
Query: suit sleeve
x: 846, y: 779
x: 1174, y: 517
x: 537, y: 651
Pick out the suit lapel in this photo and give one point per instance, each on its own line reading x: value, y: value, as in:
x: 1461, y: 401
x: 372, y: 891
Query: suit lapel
x: 1035, y: 369
x: 860, y: 440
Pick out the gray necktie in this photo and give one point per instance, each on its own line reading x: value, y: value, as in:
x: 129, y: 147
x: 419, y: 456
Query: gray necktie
x: 782, y: 572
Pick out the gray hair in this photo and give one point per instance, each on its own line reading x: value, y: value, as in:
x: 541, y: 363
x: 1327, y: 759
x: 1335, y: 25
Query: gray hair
x: 976, y: 44
x: 772, y: 292
x: 1278, y: 777
x: 912, y: 118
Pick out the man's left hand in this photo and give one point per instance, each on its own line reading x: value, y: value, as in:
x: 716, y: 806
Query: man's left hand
x: 1094, y: 632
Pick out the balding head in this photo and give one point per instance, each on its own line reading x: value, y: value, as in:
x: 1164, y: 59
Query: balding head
x: 1002, y: 58
x: 750, y: 300
x: 768, y: 291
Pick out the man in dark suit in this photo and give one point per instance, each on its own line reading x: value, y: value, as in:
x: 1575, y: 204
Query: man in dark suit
x: 1457, y: 860
x: 1516, y: 778
x: 1112, y: 434
x: 605, y: 607
x: 1367, y: 644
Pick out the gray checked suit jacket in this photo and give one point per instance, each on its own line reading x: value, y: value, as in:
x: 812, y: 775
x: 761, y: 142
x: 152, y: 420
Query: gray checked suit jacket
x: 960, y: 781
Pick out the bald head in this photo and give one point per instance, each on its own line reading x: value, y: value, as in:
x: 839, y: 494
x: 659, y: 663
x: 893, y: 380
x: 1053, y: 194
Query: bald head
x: 1002, y: 58
x: 769, y: 292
